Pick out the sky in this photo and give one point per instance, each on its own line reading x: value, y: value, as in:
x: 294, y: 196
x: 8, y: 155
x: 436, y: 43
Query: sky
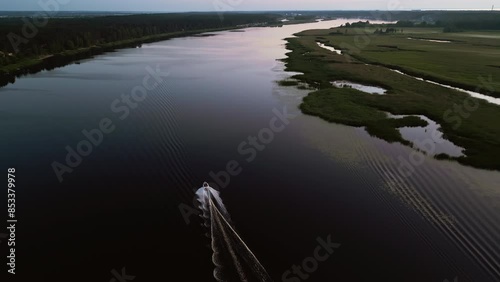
x: 246, y: 5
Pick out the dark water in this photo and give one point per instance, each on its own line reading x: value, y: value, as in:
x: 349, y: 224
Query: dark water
x: 120, y: 207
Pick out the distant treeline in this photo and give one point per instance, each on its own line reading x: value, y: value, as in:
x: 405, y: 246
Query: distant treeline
x: 450, y: 21
x: 457, y: 21
x: 26, y: 37
x: 473, y: 17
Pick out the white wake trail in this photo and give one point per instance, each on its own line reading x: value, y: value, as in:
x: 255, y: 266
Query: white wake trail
x: 231, y: 256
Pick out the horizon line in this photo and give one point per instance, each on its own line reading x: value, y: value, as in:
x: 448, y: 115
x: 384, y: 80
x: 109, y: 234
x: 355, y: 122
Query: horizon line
x: 273, y: 10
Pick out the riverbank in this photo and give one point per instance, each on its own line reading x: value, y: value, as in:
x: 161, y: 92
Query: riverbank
x: 8, y: 73
x: 465, y: 121
x: 62, y: 40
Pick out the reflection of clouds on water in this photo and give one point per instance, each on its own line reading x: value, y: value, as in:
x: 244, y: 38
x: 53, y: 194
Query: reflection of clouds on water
x: 364, y: 88
x: 337, y: 141
x: 329, y: 48
x: 422, y: 136
x: 430, y: 40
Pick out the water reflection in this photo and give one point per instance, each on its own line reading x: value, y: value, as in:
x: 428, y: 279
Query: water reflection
x: 329, y: 48
x: 428, y: 139
x: 490, y: 99
x: 430, y: 40
x: 313, y: 178
x: 365, y: 88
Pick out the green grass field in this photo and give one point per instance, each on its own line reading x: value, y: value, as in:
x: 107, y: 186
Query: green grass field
x: 469, y: 56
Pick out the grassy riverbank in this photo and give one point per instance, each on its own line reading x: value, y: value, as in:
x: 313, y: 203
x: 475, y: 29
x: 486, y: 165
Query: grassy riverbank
x: 468, y: 127
x: 457, y: 59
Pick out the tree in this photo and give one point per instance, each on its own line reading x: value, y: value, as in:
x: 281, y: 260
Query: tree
x: 70, y: 45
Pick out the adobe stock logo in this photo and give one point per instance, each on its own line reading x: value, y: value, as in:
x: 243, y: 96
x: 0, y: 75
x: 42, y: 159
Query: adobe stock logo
x: 321, y: 253
x: 222, y: 6
x: 249, y: 150
x: 120, y: 110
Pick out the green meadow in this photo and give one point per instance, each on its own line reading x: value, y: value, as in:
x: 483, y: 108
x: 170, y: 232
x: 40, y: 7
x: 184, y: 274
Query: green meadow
x: 469, y: 60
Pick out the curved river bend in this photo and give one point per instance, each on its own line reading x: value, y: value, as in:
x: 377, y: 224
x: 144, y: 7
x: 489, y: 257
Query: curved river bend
x: 397, y: 215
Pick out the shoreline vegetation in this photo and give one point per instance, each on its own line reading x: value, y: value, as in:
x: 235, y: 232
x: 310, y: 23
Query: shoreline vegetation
x: 69, y: 38
x: 35, y: 43
x: 51, y: 61
x: 66, y: 40
x: 369, y: 52
x: 74, y: 37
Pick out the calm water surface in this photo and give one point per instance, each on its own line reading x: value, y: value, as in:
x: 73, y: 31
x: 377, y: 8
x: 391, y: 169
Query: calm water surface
x: 398, y: 215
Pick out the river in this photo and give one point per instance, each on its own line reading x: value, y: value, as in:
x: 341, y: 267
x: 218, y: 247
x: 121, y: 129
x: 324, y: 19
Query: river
x: 210, y: 106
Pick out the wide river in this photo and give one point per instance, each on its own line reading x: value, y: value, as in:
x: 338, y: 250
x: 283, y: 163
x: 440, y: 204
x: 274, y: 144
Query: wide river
x: 214, y: 108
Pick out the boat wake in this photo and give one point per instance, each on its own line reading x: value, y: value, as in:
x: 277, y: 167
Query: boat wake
x: 232, y: 258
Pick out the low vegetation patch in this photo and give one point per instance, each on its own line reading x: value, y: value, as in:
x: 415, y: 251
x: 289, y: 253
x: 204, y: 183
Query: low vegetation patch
x: 472, y: 130
x: 288, y: 82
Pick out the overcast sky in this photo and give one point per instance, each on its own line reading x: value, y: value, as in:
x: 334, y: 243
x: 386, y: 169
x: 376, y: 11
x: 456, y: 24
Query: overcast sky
x: 211, y: 5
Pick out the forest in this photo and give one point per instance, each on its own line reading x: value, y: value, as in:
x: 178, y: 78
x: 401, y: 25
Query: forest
x: 30, y: 37
x: 458, y: 21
